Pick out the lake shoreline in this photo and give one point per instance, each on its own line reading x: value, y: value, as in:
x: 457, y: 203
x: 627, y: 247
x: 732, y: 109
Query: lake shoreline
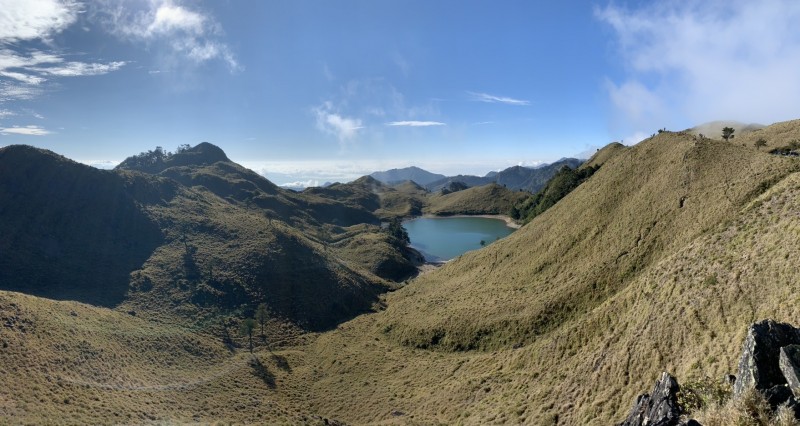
x: 508, y: 220
x: 431, y: 249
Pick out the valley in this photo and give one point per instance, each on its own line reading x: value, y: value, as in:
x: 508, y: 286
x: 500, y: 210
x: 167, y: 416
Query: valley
x: 657, y: 261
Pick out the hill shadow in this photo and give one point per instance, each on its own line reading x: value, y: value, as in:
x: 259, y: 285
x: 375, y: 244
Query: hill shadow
x: 70, y: 232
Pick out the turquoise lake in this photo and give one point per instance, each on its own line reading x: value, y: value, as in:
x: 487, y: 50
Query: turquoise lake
x: 444, y: 238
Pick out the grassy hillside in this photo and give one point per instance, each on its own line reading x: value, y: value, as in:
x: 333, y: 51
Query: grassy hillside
x: 658, y: 261
x: 409, y: 199
x: 569, y: 318
x: 490, y: 199
x: 641, y: 204
x: 190, y: 242
x: 71, y: 231
x: 71, y: 363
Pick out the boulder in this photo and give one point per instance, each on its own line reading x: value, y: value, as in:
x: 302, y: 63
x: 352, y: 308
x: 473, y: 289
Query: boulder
x: 659, y: 408
x: 789, y: 363
x: 779, y: 395
x: 759, y: 363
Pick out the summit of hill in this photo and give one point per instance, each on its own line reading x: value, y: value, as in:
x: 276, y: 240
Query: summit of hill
x: 420, y: 176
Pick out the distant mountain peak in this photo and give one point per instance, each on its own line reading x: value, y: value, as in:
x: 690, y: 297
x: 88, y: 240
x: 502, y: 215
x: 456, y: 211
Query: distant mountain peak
x: 420, y: 176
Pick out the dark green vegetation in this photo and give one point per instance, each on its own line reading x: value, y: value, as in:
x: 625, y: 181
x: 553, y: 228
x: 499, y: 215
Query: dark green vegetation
x: 71, y: 231
x: 407, y: 199
x: 556, y: 188
x: 727, y: 133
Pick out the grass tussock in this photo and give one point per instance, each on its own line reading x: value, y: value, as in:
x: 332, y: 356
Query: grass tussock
x: 749, y: 410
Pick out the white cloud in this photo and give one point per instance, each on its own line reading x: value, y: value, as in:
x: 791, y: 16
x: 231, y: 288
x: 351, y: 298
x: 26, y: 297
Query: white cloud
x: 415, y: 123
x: 688, y: 62
x: 369, y: 105
x: 101, y: 164
x: 25, y: 78
x: 485, y: 97
x: 79, y: 69
x: 343, y: 128
x: 169, y: 18
x: 301, y: 183
x: 191, y: 33
x: 6, y: 113
x: 31, y: 69
x: 10, y: 92
x: 26, y: 130
x: 33, y: 20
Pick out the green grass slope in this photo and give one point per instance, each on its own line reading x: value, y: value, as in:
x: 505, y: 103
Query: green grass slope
x: 641, y: 204
x: 190, y: 242
x: 491, y: 199
x: 71, y: 363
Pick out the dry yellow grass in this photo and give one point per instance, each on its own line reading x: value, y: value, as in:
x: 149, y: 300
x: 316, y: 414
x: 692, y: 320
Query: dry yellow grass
x: 71, y: 363
x: 578, y: 312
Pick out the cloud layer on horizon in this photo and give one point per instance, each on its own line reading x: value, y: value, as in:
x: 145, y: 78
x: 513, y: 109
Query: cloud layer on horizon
x: 696, y: 61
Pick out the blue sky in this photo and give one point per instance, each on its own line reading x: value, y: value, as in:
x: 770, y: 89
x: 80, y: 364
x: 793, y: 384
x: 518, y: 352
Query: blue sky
x: 309, y: 91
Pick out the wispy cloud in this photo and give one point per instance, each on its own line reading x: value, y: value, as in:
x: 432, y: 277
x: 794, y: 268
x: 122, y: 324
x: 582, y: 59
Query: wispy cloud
x: 367, y: 106
x: 11, y: 92
x: 326, y: 71
x: 485, y: 97
x: 329, y: 121
x: 190, y: 33
x: 26, y: 130
x: 24, y: 68
x: 694, y: 61
x: 79, y: 69
x: 6, y: 113
x: 27, y: 70
x: 415, y: 123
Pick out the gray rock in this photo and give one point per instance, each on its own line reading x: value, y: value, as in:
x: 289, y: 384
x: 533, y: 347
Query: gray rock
x: 789, y: 363
x: 659, y: 408
x: 778, y: 395
x: 758, y: 366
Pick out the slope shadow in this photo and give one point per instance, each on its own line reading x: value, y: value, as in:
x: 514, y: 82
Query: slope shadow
x: 70, y: 231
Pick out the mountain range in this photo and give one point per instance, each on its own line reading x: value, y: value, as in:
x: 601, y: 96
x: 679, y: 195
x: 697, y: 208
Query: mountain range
x: 123, y: 292
x: 514, y: 178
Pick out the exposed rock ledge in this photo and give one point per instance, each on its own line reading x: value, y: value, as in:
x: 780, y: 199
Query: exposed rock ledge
x: 769, y: 364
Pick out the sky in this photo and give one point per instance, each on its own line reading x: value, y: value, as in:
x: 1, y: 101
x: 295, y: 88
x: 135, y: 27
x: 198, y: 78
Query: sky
x: 306, y: 92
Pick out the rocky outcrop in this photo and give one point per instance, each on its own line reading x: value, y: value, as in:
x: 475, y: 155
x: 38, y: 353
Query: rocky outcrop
x: 658, y: 408
x: 769, y: 365
x: 759, y: 367
x: 789, y: 361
